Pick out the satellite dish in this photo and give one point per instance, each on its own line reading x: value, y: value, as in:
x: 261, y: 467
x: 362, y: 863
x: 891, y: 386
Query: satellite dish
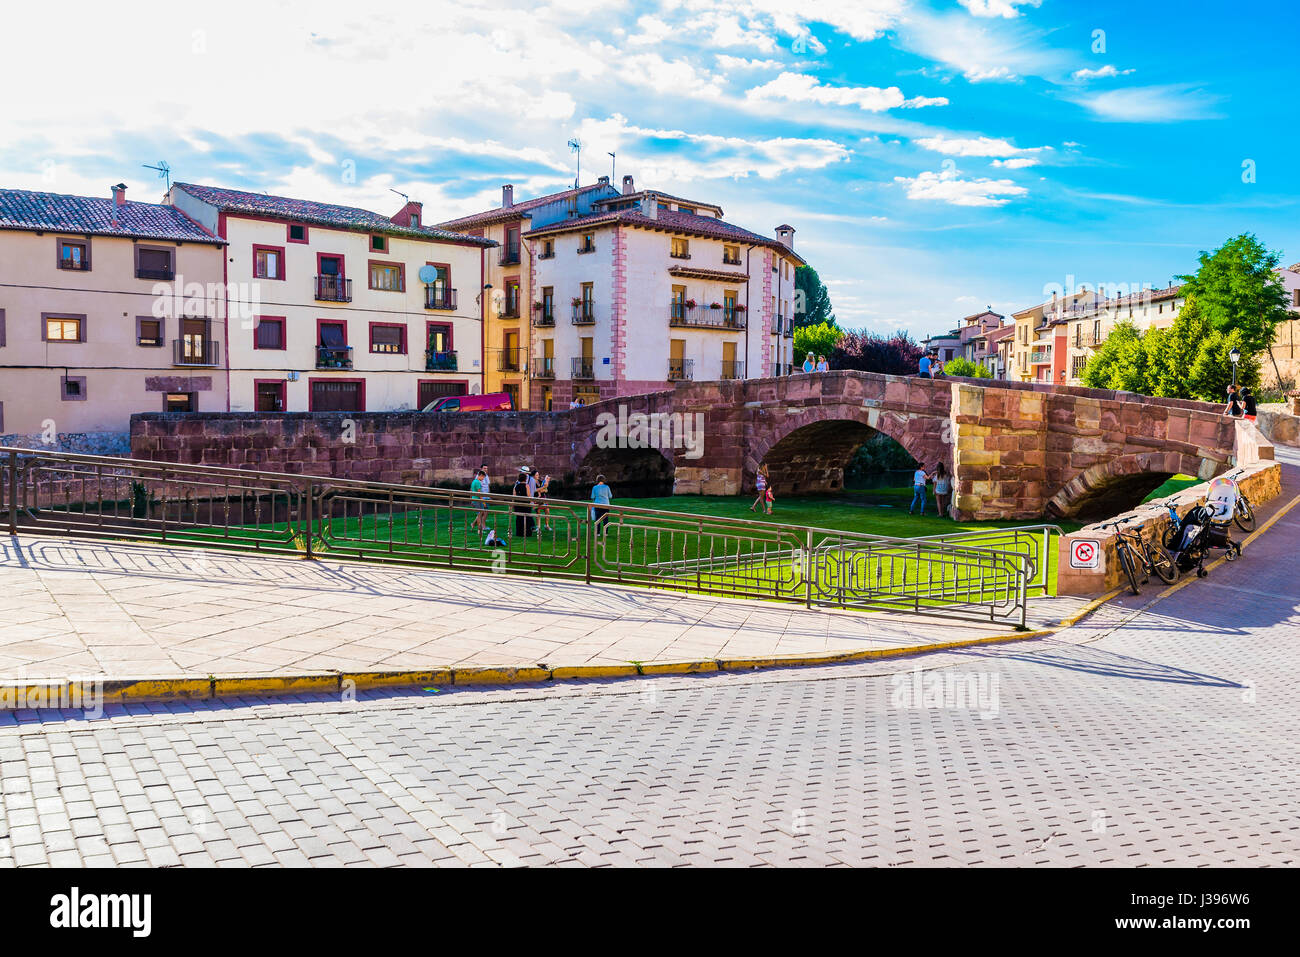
x: 428, y: 275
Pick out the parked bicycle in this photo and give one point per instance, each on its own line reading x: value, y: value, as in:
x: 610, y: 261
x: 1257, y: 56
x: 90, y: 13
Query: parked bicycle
x: 1136, y: 553
x: 1242, y: 513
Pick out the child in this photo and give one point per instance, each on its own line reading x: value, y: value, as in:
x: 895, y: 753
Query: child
x: 760, y: 486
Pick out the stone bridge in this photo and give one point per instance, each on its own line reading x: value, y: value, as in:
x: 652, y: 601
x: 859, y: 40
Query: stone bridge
x: 1017, y: 450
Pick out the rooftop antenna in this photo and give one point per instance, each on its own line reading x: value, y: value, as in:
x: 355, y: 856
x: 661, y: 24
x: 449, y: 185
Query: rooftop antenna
x: 613, y: 160
x: 164, y: 172
x: 399, y: 193
x: 575, y: 146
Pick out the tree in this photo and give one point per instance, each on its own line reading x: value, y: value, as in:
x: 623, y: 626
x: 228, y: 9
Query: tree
x: 1120, y: 363
x: 1239, y: 291
x: 820, y: 340
x: 1210, y: 372
x: 961, y: 366
x: 900, y: 354
x: 812, y: 301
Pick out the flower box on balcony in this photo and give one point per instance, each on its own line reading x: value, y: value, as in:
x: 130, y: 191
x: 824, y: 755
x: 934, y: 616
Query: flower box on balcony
x: 715, y: 305
x: 691, y: 303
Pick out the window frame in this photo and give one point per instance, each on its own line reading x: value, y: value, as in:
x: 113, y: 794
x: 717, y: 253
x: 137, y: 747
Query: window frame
x: 45, y: 325
x: 288, y: 233
x: 280, y: 384
x: 383, y: 244
x: 279, y: 251
x: 59, y: 242
x: 399, y: 326
x: 370, y: 275
x: 162, y: 331
x: 451, y: 333
x: 151, y: 247
x: 311, y: 390
x: 194, y: 401
x: 282, y: 322
x: 63, y: 388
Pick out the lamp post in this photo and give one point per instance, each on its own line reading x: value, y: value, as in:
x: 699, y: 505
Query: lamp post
x: 1235, y: 357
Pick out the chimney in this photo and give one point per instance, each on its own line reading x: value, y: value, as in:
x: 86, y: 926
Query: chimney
x: 507, y: 196
x: 785, y: 233
x: 119, y: 194
x: 627, y: 185
x: 603, y: 181
x: 650, y: 206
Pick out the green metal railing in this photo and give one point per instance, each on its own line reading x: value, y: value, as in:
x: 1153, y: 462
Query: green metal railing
x: 989, y: 575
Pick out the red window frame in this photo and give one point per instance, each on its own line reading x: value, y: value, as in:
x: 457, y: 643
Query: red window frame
x: 388, y: 325
x: 280, y: 384
x: 451, y: 331
x: 311, y: 390
x: 284, y: 332
x: 401, y: 275
x: 288, y: 233
x: 343, y: 263
x: 261, y: 247
x: 331, y: 322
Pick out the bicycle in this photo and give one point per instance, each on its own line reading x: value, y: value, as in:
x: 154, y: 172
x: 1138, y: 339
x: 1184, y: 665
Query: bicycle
x: 1131, y: 548
x: 1242, y: 515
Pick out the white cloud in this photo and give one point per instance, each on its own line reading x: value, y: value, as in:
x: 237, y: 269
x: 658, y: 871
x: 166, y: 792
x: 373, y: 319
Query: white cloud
x: 947, y: 186
x: 973, y: 146
x: 1167, y: 103
x: 1018, y: 162
x: 1007, y: 9
x: 727, y: 62
x: 801, y: 88
x: 980, y: 49
x: 1107, y: 70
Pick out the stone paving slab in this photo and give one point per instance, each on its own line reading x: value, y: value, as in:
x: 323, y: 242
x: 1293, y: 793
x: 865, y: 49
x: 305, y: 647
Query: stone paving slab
x: 76, y: 608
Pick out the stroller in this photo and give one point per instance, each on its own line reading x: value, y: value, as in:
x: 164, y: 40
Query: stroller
x: 1203, y: 528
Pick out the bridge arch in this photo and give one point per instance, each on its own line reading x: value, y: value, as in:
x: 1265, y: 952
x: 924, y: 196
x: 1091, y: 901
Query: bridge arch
x: 1118, y: 485
x: 630, y: 472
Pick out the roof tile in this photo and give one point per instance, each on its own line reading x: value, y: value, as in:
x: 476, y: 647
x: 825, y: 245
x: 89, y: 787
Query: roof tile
x: 57, y: 212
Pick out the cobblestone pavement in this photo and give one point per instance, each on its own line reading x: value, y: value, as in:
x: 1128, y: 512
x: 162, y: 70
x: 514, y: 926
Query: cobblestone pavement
x: 1158, y: 733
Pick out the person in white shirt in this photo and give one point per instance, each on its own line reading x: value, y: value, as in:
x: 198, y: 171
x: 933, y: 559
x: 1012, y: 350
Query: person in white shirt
x: 920, y: 478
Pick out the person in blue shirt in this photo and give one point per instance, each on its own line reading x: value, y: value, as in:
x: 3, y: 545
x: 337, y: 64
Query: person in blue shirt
x: 925, y: 364
x: 601, y: 496
x: 808, y: 364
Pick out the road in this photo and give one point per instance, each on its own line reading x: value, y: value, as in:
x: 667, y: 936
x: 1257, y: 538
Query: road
x: 1157, y: 733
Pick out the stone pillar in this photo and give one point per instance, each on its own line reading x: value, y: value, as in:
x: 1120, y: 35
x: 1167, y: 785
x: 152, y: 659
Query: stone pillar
x: 999, y: 452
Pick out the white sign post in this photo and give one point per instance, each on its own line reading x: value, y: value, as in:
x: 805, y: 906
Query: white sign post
x: 1085, y: 553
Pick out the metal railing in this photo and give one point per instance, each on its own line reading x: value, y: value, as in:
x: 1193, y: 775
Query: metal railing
x: 682, y: 315
x: 583, y: 367
x: 196, y: 351
x: 333, y: 289
x: 509, y: 360
x: 680, y: 370
x: 732, y: 369
x: 333, y: 357
x: 509, y: 256
x: 544, y: 367
x: 584, y: 313
x: 439, y: 298
x: 313, y: 517
x: 435, y: 361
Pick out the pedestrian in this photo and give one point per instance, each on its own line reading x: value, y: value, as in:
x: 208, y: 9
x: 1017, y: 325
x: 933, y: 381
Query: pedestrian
x: 601, y: 496
x: 487, y: 479
x: 823, y: 365
x: 923, y: 367
x: 523, y: 512
x: 573, y: 403
x: 1233, y: 408
x: 477, y: 488
x: 1248, y: 403
x: 760, y: 486
x: 528, y: 471
x: 936, y: 367
x: 544, y: 510
x: 919, y: 480
x: 942, y: 488
x: 809, y: 365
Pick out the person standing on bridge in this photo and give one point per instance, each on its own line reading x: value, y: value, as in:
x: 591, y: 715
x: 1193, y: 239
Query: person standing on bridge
x: 924, y: 366
x: 809, y: 365
x: 1248, y: 403
x: 1234, y: 407
x: 823, y: 365
x: 919, y: 481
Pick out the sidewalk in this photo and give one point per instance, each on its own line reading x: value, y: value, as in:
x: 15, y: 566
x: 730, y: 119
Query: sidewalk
x: 76, y: 608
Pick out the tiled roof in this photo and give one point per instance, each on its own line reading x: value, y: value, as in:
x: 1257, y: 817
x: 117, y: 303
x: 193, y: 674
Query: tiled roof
x: 715, y: 275
x: 56, y: 212
x: 668, y: 221
x: 517, y: 210
x: 1001, y: 332
x: 624, y: 197
x: 319, y: 214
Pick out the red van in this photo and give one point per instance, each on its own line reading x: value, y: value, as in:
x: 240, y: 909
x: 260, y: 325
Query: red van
x: 491, y: 402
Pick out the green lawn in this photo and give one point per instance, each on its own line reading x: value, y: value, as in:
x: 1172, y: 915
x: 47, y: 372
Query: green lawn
x: 1175, y: 484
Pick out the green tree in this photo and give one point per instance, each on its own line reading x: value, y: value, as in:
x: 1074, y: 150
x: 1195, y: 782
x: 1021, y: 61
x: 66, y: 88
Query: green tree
x: 820, y: 340
x: 1210, y: 372
x: 812, y: 301
x: 1120, y: 363
x: 1239, y: 291
x: 961, y: 366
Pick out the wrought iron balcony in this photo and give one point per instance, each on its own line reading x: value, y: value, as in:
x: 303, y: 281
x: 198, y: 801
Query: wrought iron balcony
x: 196, y: 351
x: 587, y: 248
x: 1040, y: 357
x: 584, y: 367
x: 435, y: 361
x: 509, y: 257
x: 77, y: 265
x: 680, y: 370
x: 509, y: 311
x: 436, y: 297
x: 732, y: 369
x: 544, y: 367
x: 333, y: 289
x: 333, y: 357
x: 509, y: 360
x: 158, y: 274
x: 584, y: 313
x: 545, y: 317
x: 683, y: 315
x: 730, y: 261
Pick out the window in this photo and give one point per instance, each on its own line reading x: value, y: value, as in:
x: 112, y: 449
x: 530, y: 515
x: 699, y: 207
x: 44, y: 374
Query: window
x: 268, y: 395
x: 1076, y: 366
x: 338, y: 395
x: 415, y: 220
x: 74, y: 254
x: 297, y: 233
x: 389, y: 339
x: 731, y: 255
x: 64, y: 328
x: 268, y: 262
x: 148, y: 332
x: 1295, y: 297
x: 379, y: 244
x: 511, y: 252
x: 685, y: 209
x: 154, y: 262
x: 2, y: 327
x: 180, y: 402
x: 548, y: 249
x: 548, y: 306
x: 681, y: 249
x: 269, y: 333
x: 72, y: 388
x: 439, y: 337
x: 512, y: 299
x: 588, y: 243
x: 387, y: 277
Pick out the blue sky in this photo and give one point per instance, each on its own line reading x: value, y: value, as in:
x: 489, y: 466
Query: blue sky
x: 934, y: 157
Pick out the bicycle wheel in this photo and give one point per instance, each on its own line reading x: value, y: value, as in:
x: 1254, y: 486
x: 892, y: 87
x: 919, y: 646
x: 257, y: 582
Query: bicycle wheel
x: 1162, y: 564
x: 1126, y: 563
x: 1244, y: 515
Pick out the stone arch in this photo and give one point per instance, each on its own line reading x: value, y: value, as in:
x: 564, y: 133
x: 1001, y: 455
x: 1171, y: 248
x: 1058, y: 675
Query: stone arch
x: 1118, y: 485
x: 630, y: 472
x: 809, y: 452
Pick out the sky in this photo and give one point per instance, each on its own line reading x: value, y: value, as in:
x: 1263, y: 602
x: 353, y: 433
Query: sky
x: 935, y: 157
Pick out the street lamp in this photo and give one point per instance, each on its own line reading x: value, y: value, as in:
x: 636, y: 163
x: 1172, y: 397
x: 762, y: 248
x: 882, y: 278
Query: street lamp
x: 1235, y: 357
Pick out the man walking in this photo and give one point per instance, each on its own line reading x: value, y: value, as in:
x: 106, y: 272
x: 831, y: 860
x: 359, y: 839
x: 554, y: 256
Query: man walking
x: 919, y: 481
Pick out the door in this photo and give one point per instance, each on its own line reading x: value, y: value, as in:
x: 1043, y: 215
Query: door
x: 270, y: 397
x: 510, y: 352
x: 676, y: 358
x: 194, y: 339
x: 336, y: 395
x: 729, y: 367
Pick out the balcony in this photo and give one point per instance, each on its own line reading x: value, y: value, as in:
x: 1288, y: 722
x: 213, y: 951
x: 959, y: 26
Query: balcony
x: 333, y: 289
x: 509, y: 257
x: 587, y: 248
x: 584, y: 313
x: 509, y: 310
x: 436, y: 297
x: 196, y: 351
x: 680, y: 255
x: 544, y: 368
x: 166, y: 274
x: 509, y: 360
x: 1089, y: 339
x: 547, y: 253
x: 544, y: 315
x: 732, y: 369
x: 584, y: 367
x: 1039, y: 357
x: 682, y: 315
x: 333, y: 357
x: 681, y: 370
x: 76, y: 265
x: 782, y: 326
x: 435, y: 361
x: 730, y: 261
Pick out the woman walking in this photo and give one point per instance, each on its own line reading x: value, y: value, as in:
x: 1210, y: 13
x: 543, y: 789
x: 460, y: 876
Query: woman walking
x: 919, y: 480
x: 942, y: 488
x: 601, y: 496
x: 761, y: 483
x: 523, y: 513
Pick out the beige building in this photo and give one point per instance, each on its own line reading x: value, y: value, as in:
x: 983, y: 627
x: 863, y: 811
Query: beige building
x: 339, y: 309
x: 107, y: 307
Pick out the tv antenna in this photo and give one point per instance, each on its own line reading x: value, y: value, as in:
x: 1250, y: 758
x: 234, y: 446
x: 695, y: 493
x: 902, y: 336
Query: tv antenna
x: 164, y: 172
x: 613, y: 160
x: 399, y: 193
x: 575, y: 146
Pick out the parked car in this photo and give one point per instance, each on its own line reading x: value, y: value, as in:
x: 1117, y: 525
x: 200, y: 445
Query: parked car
x: 491, y: 402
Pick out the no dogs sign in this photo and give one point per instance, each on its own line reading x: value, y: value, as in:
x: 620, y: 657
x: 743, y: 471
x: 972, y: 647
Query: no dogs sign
x: 1085, y: 553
